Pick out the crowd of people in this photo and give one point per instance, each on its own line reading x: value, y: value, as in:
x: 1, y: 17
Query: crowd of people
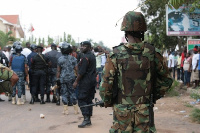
x: 57, y: 71
x: 185, y: 66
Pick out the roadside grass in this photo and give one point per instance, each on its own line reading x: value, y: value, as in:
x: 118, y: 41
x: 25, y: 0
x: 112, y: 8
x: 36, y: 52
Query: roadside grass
x: 188, y: 105
x: 173, y: 90
x: 195, y: 115
x: 195, y: 94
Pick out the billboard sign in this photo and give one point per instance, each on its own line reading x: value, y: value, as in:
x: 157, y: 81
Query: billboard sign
x: 181, y: 22
x: 192, y: 42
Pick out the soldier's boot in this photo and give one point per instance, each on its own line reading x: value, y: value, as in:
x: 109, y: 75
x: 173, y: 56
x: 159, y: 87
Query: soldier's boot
x: 86, y: 122
x: 48, y: 98
x: 54, y: 99
x: 76, y: 109
x: 24, y: 98
x: 37, y: 99
x: 42, y: 100
x: 19, y: 101
x: 32, y: 99
x: 58, y: 100
x: 65, y: 111
x: 13, y: 100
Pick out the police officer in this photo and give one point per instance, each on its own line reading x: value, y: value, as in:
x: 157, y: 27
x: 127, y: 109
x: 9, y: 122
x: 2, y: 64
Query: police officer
x: 86, y: 81
x: 52, y: 55
x: 18, y: 63
x: 134, y: 77
x: 66, y: 77
x: 30, y: 56
x: 39, y: 65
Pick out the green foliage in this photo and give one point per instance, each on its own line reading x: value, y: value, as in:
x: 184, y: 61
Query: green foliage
x: 173, y: 90
x: 69, y: 38
x: 50, y: 40
x: 39, y: 40
x: 195, y: 115
x: 188, y: 105
x: 154, y: 12
x: 65, y: 37
x: 195, y: 94
x: 73, y: 42
x: 177, y: 3
x: 5, y: 38
x: 43, y: 41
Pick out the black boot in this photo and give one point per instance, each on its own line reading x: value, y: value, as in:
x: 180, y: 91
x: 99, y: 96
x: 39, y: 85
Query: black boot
x: 58, y: 101
x: 32, y: 99
x: 86, y: 122
x: 54, y: 99
x: 48, y: 98
x: 37, y: 99
x: 42, y: 100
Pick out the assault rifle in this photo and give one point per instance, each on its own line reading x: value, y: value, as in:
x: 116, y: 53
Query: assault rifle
x: 97, y: 102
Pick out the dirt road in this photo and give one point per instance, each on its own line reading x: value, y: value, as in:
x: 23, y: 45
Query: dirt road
x: 26, y: 118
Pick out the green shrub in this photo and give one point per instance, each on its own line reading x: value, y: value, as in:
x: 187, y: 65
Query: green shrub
x: 195, y: 115
x: 188, y: 105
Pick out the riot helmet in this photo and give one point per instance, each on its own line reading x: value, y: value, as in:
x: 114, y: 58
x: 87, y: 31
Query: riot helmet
x: 134, y: 24
x: 33, y: 47
x: 18, y: 49
x: 66, y: 48
x: 15, y: 44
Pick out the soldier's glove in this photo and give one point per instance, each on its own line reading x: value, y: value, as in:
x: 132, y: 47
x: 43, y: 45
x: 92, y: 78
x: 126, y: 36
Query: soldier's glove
x: 58, y: 82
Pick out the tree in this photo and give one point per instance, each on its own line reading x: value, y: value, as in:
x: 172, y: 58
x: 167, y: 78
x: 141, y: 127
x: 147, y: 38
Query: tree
x: 154, y: 12
x: 65, y: 37
x: 73, y: 42
x: 43, y: 41
x: 50, y: 40
x: 69, y: 38
x: 39, y: 40
x: 177, y: 3
x: 60, y: 39
x: 5, y: 38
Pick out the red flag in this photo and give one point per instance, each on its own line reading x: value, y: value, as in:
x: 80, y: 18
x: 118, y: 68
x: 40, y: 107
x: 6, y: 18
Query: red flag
x: 31, y: 29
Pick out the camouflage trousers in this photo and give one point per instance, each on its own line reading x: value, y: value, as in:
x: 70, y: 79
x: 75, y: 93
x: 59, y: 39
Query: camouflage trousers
x: 6, y: 87
x: 66, y: 91
x: 131, y: 119
x: 20, y: 85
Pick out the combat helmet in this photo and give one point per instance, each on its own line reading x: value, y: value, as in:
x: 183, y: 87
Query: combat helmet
x: 133, y: 21
x: 33, y: 46
x: 18, y: 49
x: 66, y: 48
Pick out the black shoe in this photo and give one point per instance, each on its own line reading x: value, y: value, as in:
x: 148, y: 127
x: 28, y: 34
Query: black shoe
x: 32, y: 100
x: 1, y: 100
x: 42, y: 100
x: 48, y: 98
x: 37, y: 99
x: 86, y: 122
x: 54, y: 99
x: 58, y: 102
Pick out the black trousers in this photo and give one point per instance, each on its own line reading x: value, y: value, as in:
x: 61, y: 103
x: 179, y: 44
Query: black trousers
x: 38, y: 80
x: 85, y: 97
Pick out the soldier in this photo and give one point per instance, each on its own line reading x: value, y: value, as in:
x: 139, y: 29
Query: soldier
x: 30, y: 56
x: 39, y: 65
x: 52, y: 55
x: 66, y: 77
x: 86, y: 81
x: 18, y: 63
x: 8, y: 79
x: 134, y: 77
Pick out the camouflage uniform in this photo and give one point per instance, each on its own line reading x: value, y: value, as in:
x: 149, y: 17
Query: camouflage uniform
x: 67, y: 78
x: 5, y: 75
x: 140, y: 72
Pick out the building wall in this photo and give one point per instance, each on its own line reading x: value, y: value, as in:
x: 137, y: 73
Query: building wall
x: 2, y: 26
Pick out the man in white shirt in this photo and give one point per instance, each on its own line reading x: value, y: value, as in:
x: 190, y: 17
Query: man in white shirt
x: 171, y: 63
x: 26, y: 51
x: 195, y: 72
x: 98, y: 65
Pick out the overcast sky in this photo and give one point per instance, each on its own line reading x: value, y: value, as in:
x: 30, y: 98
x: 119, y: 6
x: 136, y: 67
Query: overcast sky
x: 83, y: 19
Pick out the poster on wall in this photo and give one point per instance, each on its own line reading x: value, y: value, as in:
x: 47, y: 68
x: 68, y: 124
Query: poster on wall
x: 192, y: 42
x: 181, y: 22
